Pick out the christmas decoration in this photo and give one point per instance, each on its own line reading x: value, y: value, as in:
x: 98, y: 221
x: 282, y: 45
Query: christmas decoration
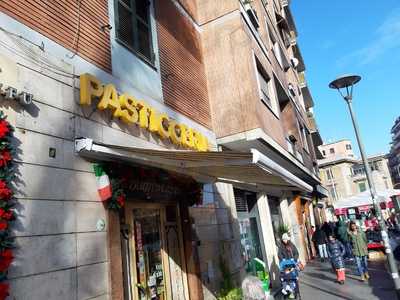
x: 6, y: 202
x: 146, y: 183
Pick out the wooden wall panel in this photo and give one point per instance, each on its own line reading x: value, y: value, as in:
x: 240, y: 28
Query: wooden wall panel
x: 76, y: 25
x: 181, y: 61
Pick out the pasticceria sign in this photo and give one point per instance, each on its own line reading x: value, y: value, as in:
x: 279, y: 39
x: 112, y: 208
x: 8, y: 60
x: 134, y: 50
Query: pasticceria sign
x: 133, y: 111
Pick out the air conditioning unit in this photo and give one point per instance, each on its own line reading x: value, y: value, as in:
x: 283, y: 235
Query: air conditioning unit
x: 294, y: 61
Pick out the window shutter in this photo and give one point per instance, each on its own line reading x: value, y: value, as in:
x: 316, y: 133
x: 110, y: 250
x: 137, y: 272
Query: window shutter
x: 124, y: 26
x: 240, y: 201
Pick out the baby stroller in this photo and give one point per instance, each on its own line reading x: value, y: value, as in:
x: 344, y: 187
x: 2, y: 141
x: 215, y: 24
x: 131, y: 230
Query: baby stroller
x: 289, y: 273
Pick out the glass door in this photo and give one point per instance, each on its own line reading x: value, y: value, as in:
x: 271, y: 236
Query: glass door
x: 157, y: 265
x: 148, y: 254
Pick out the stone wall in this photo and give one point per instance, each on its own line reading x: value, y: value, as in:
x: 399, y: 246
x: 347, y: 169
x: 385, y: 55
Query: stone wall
x: 219, y: 238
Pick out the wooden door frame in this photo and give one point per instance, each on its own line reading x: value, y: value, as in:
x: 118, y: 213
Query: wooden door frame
x: 130, y: 205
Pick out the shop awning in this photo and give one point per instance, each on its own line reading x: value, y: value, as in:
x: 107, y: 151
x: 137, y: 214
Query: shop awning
x: 227, y: 166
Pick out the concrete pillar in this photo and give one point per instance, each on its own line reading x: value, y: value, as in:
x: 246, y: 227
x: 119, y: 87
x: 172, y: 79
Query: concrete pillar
x: 268, y: 236
x: 296, y: 230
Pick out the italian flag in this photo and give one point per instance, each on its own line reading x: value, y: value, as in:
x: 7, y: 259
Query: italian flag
x: 103, y: 182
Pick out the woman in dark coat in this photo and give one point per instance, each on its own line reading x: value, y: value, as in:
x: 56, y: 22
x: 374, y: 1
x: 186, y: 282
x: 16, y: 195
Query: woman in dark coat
x: 336, y: 252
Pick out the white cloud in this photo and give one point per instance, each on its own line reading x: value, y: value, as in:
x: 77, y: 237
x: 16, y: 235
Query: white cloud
x: 385, y: 38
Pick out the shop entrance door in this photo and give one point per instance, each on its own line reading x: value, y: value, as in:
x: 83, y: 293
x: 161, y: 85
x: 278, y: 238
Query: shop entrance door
x: 157, y: 267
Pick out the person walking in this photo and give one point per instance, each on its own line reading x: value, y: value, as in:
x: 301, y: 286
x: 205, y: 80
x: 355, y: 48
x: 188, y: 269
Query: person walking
x: 360, y: 249
x: 288, y: 258
x: 343, y: 236
x: 319, y: 239
x: 287, y: 249
x: 336, y: 252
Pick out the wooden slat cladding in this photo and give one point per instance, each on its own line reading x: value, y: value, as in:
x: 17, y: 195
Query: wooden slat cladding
x: 58, y: 20
x: 181, y: 60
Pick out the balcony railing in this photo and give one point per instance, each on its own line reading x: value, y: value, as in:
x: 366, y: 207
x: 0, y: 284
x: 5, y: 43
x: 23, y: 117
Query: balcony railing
x: 302, y: 80
x: 285, y: 3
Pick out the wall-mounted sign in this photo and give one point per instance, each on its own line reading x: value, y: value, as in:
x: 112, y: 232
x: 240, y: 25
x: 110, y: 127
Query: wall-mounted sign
x: 133, y: 111
x: 11, y: 93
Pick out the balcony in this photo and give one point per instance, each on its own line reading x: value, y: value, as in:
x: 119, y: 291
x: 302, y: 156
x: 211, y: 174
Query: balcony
x: 302, y: 79
x: 285, y: 3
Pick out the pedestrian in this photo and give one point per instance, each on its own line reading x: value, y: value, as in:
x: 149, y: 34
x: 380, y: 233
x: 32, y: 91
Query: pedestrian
x: 336, y: 252
x: 326, y: 228
x: 287, y: 249
x: 360, y: 249
x: 343, y: 236
x: 319, y: 239
x: 289, y: 266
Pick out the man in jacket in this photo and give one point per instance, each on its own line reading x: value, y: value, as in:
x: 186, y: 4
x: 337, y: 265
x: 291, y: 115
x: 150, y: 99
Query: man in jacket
x: 319, y: 239
x: 344, y: 238
x: 360, y: 249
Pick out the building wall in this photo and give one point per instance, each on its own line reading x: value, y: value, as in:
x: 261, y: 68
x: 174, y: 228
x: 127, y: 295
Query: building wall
x: 181, y: 61
x: 59, y: 245
x: 339, y: 148
x: 60, y: 21
x: 347, y: 183
x: 217, y: 229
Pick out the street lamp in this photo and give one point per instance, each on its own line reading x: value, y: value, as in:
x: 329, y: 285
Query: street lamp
x: 344, y: 85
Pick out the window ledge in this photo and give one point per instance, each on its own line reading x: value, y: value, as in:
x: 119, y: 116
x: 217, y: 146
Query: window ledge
x: 270, y: 108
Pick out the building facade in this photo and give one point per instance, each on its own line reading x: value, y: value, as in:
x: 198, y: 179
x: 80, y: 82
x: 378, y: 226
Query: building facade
x: 260, y: 100
x: 394, y: 155
x: 156, y: 141
x: 343, y: 174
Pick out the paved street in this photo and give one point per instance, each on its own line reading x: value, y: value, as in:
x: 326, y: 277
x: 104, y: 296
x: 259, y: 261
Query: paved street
x: 318, y: 282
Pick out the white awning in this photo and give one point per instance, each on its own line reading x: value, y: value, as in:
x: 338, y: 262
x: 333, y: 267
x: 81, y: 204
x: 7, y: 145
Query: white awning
x: 365, y: 198
x: 252, y: 167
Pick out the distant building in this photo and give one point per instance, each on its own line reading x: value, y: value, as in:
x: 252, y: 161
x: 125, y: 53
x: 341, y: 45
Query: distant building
x: 394, y: 155
x: 343, y: 174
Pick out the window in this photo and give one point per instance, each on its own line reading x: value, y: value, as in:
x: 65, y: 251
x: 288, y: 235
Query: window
x: 331, y: 150
x: 264, y: 88
x: 304, y: 135
x: 348, y: 147
x: 133, y: 27
x: 329, y: 174
x: 362, y: 187
x: 358, y: 170
x: 375, y: 166
x: 332, y: 192
x: 249, y: 227
x: 323, y: 152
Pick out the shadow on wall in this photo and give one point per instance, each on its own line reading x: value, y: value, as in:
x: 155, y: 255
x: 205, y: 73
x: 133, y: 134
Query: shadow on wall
x: 49, y: 252
x: 221, y: 253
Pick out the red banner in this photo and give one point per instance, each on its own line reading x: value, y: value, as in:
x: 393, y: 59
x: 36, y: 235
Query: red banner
x: 364, y: 208
x: 340, y: 211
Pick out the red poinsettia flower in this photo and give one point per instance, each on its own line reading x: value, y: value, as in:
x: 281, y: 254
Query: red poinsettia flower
x: 4, y: 128
x: 5, y: 157
x: 6, y: 258
x: 121, y: 200
x: 4, y: 288
x: 6, y: 215
x: 3, y: 225
x: 5, y: 192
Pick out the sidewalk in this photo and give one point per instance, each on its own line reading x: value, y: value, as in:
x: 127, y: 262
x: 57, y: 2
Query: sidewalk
x: 318, y: 282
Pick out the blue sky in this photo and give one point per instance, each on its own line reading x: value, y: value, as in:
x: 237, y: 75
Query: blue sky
x: 357, y: 36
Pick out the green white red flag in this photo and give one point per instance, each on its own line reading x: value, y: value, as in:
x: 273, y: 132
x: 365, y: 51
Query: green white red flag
x: 103, y: 182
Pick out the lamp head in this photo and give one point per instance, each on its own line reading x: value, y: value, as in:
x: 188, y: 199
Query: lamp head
x: 345, y: 82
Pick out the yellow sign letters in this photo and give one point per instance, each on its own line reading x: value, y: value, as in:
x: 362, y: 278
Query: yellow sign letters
x: 133, y: 111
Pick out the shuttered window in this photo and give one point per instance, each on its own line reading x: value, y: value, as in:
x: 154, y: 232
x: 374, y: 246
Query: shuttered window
x: 133, y: 26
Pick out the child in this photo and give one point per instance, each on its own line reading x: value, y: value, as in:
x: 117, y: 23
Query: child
x: 289, y: 275
x: 336, y: 252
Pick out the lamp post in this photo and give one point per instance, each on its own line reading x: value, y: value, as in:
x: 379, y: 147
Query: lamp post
x: 344, y: 85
